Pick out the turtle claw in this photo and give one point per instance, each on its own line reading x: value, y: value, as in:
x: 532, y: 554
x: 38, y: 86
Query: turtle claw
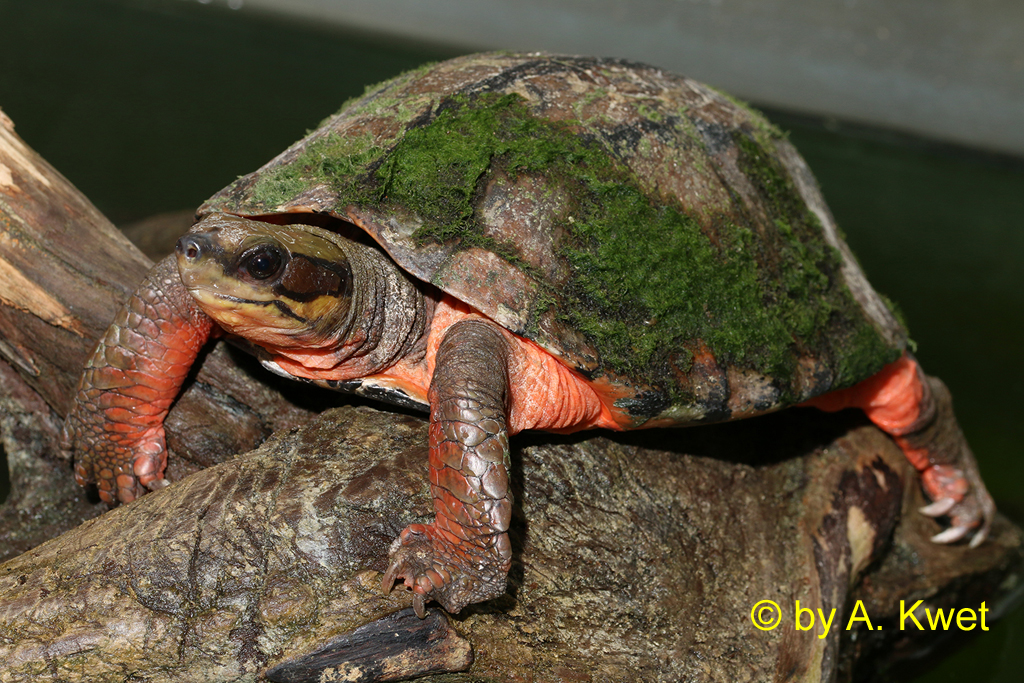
x: 979, y: 537
x: 973, y: 513
x: 387, y: 584
x: 435, y: 568
x: 961, y: 530
x: 959, y: 494
x: 938, y: 508
x: 950, y: 535
x: 150, y: 460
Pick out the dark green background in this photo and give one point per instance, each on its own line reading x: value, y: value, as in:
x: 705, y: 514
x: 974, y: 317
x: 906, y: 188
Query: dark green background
x: 152, y: 106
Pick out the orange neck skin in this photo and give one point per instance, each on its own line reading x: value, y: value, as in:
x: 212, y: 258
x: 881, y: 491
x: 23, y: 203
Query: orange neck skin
x: 545, y: 393
x: 386, y: 325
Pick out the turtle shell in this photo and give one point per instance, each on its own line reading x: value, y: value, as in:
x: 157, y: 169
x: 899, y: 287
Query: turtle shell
x: 659, y: 237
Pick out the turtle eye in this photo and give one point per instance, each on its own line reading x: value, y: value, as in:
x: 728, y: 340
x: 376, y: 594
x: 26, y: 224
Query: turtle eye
x: 263, y: 262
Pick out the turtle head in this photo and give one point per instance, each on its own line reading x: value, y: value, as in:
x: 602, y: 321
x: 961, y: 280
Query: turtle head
x: 275, y: 285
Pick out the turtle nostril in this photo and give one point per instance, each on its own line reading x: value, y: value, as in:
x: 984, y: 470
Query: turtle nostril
x: 190, y: 247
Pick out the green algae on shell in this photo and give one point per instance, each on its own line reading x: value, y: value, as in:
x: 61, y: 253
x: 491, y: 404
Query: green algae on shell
x: 647, y: 230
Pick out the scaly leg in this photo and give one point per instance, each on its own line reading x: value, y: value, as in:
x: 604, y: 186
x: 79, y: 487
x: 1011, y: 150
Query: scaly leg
x: 917, y: 411
x: 464, y: 555
x: 115, y: 425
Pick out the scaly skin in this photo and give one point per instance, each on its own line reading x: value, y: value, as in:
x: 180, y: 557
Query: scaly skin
x: 464, y: 555
x: 116, y: 421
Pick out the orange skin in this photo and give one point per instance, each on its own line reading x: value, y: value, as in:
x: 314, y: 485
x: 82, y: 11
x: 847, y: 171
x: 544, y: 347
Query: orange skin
x: 546, y: 394
x: 549, y: 396
x: 892, y: 400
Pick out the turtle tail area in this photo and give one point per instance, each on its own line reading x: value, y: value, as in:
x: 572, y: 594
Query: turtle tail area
x: 917, y: 411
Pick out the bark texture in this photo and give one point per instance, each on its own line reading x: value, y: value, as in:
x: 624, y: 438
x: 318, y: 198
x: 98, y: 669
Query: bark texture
x: 635, y: 558
x: 64, y: 272
x: 633, y: 562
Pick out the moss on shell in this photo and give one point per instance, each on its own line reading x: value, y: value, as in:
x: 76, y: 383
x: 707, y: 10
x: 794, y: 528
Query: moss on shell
x: 647, y: 280
x: 820, y: 310
x: 333, y: 158
x: 647, y: 283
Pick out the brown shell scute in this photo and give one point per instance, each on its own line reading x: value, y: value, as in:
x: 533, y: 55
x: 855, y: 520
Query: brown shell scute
x: 651, y: 232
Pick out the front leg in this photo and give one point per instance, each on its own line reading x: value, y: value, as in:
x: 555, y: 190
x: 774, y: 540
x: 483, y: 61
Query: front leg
x: 115, y: 427
x: 464, y: 555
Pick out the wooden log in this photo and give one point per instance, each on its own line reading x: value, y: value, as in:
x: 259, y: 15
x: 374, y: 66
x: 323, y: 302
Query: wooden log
x: 64, y: 268
x: 64, y: 272
x: 632, y: 562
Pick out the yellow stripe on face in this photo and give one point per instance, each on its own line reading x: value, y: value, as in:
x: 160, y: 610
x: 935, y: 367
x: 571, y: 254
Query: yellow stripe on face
x: 276, y: 285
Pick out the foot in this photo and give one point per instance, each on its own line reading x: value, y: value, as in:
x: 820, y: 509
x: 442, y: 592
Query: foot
x: 122, y: 470
x: 962, y: 498
x: 437, y: 566
x: 917, y: 411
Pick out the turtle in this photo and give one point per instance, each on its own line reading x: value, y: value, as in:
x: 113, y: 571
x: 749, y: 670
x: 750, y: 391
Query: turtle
x: 524, y: 241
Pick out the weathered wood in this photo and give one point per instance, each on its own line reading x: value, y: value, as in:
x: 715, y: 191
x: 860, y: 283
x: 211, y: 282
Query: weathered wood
x: 389, y: 649
x: 64, y: 271
x: 633, y: 563
x: 44, y: 501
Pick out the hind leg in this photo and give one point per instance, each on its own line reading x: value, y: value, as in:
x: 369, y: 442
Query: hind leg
x: 917, y: 411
